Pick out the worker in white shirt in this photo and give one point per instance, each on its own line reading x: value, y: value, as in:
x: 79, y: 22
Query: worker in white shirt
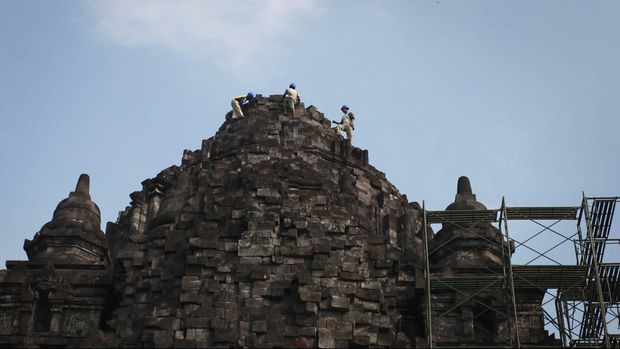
x: 292, y: 97
x: 347, y: 123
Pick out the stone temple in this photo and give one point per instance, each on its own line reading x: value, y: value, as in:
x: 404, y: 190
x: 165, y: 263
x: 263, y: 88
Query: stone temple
x: 276, y: 233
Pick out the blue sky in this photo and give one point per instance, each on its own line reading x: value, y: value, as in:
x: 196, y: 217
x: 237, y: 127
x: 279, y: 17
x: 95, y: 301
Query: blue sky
x: 521, y: 96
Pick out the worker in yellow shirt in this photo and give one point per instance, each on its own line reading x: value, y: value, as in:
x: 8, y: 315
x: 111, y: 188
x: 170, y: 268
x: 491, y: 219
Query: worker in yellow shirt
x: 239, y: 101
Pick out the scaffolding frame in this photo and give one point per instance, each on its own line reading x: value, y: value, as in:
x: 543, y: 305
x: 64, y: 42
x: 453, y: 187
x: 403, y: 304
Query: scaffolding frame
x: 587, y: 293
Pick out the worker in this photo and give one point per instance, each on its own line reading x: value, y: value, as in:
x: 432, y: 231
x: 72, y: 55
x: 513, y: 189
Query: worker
x: 347, y: 123
x: 239, y: 101
x: 292, y: 97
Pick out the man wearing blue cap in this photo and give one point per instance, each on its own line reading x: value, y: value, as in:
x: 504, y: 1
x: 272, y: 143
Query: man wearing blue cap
x: 347, y: 123
x: 237, y: 102
x: 292, y: 97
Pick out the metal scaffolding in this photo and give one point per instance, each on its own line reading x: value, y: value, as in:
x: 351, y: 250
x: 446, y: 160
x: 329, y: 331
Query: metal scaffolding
x: 580, y: 299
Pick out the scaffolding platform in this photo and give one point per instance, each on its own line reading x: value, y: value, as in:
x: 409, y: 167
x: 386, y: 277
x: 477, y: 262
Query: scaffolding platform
x: 462, y: 216
x: 512, y: 213
x: 550, y: 276
x: 543, y: 277
x: 542, y: 213
x: 586, y: 294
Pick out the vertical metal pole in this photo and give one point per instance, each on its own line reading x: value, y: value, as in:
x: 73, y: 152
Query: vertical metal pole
x: 559, y: 311
x: 510, y: 276
x: 427, y: 277
x: 507, y: 297
x: 580, y: 256
x: 570, y: 321
x: 599, y: 288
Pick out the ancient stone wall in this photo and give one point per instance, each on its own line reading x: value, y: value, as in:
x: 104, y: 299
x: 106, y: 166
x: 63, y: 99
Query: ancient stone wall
x: 276, y: 233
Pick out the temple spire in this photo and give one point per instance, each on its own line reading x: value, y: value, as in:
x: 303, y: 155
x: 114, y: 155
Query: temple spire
x: 83, y: 185
x: 76, y: 218
x: 465, y: 198
x: 463, y: 186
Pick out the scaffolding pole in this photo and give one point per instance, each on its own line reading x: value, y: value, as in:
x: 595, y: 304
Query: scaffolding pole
x: 427, y: 277
x: 510, y: 276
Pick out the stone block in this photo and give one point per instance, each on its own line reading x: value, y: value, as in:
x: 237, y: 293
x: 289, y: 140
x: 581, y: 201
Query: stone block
x: 179, y: 336
x: 290, y: 331
x: 322, y: 248
x: 230, y: 246
x: 202, y: 335
x: 361, y: 340
x: 163, y: 339
x: 384, y: 264
x: 339, y: 302
x: 385, y: 338
x: 305, y: 319
x: 311, y: 307
x: 237, y: 214
x: 378, y: 273
x: 382, y: 321
x: 223, y: 335
x: 347, y: 276
x: 189, y: 298
x: 327, y: 338
x: 351, y: 267
x: 310, y: 293
x: 304, y: 342
x: 347, y: 288
x: 317, y: 264
x: 344, y: 334
x: 259, y: 274
x: 191, y: 283
x: 370, y: 285
x: 197, y: 322
x: 250, y: 340
x: 302, y: 250
x: 248, y: 249
x: 368, y: 294
x: 371, y: 306
x: 309, y: 331
x: 259, y: 326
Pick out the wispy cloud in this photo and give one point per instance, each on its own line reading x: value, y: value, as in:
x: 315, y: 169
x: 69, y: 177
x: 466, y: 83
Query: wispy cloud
x: 234, y: 34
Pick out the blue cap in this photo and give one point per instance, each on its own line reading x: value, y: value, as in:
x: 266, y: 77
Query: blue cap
x: 291, y: 85
x: 344, y: 107
x: 250, y: 96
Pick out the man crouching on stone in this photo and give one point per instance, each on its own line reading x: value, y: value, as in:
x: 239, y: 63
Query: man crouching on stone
x: 347, y: 123
x: 239, y: 101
